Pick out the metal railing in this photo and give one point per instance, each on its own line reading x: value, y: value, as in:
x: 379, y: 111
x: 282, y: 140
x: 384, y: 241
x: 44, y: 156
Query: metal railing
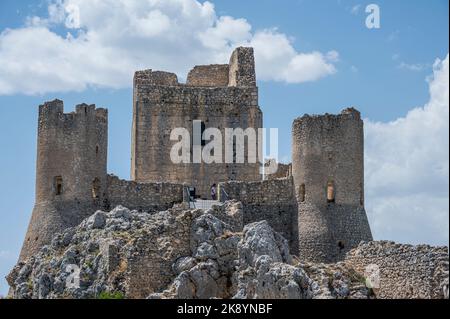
x: 223, y: 196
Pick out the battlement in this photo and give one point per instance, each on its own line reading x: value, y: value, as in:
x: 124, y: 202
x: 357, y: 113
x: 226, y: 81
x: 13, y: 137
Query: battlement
x: 53, y: 111
x: 209, y: 75
x: 242, y: 68
x: 150, y: 77
x: 240, y: 72
x: 51, y: 108
x: 317, y: 202
x: 348, y: 113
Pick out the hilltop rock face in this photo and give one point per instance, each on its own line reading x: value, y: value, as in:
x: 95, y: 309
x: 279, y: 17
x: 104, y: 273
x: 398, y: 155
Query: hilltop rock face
x: 184, y: 254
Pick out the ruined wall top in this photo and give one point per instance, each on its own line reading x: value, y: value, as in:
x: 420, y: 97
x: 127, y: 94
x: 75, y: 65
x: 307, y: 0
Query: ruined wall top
x: 240, y: 72
x: 348, y: 113
x: 242, y: 68
x: 209, y: 75
x: 150, y: 77
x: 55, y: 110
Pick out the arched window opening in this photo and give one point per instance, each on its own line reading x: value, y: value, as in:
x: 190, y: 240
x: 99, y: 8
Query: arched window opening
x: 341, y: 245
x: 96, y: 150
x: 58, y: 185
x: 330, y: 192
x: 301, y: 193
x: 96, y: 188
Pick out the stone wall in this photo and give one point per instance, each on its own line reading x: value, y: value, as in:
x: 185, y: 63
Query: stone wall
x: 242, y: 68
x: 270, y: 200
x: 150, y: 77
x: 328, y: 171
x: 405, y: 271
x: 283, y: 170
x: 209, y: 75
x: 158, y: 109
x: 143, y: 196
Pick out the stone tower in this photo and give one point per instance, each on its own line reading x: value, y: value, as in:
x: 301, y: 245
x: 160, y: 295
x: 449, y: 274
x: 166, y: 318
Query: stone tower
x: 216, y: 96
x: 71, y: 170
x: 328, y: 171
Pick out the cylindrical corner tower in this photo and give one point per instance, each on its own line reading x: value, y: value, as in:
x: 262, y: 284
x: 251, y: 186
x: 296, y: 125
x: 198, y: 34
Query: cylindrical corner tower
x: 70, y: 172
x: 328, y: 170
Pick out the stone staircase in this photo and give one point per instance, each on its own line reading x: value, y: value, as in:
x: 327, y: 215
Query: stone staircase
x: 204, y: 204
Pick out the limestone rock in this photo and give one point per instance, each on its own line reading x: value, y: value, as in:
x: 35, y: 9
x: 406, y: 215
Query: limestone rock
x: 192, y: 254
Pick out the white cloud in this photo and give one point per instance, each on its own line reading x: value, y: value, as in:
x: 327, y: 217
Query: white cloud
x: 277, y: 60
x: 412, y: 67
x: 407, y: 169
x: 355, y: 9
x: 108, y: 40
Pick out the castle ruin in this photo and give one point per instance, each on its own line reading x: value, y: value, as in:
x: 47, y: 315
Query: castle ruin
x: 317, y: 203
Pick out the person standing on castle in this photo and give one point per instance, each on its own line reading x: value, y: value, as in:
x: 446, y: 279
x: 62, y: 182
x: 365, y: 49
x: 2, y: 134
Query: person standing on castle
x: 213, y: 192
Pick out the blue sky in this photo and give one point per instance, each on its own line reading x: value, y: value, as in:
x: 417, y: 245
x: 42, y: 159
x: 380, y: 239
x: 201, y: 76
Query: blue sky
x: 386, y: 73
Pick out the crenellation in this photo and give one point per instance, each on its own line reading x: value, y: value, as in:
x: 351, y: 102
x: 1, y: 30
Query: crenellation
x: 158, y: 109
x: 84, y: 109
x: 150, y: 77
x: 242, y: 68
x: 214, y: 75
x: 317, y: 202
x: 312, y: 208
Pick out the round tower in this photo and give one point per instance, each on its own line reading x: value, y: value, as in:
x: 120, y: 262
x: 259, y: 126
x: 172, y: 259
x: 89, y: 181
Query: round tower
x: 328, y: 171
x: 70, y: 172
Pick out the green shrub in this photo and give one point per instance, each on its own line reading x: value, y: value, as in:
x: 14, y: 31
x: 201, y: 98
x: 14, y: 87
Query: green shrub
x: 111, y: 295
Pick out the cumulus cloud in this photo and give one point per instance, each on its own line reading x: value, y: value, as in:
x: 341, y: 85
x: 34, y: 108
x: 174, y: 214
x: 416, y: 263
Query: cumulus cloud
x: 106, y: 41
x: 407, y: 169
x: 417, y: 67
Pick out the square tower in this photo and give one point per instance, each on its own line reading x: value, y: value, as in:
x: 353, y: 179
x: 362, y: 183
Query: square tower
x: 216, y: 96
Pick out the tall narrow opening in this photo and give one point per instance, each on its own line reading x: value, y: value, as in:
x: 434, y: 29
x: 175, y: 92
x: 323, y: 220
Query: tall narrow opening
x: 202, y: 131
x: 58, y: 185
x: 301, y: 193
x: 197, y: 135
x: 330, y: 192
x: 96, y: 188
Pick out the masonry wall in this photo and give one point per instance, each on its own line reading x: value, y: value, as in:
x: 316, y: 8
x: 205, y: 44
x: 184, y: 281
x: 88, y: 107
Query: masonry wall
x: 162, y: 105
x: 283, y: 170
x: 328, y: 158
x: 71, y: 159
x: 270, y: 200
x: 143, y: 196
x: 404, y: 271
x: 209, y: 75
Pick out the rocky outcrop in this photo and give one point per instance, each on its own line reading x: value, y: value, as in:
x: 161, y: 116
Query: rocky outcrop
x: 186, y: 254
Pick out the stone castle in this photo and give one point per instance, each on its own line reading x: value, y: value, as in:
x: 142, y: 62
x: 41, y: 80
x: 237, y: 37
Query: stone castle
x: 316, y: 203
